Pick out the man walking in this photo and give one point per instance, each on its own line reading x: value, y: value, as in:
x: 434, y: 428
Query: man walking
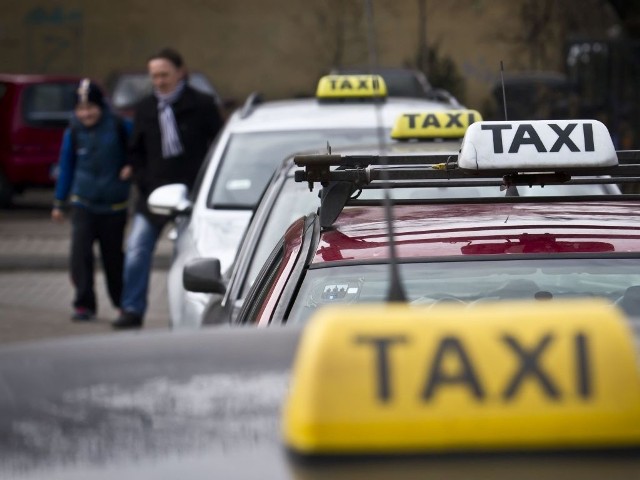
x: 173, y: 128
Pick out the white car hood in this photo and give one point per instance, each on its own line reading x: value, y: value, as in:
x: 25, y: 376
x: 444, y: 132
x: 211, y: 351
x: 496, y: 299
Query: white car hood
x: 218, y: 234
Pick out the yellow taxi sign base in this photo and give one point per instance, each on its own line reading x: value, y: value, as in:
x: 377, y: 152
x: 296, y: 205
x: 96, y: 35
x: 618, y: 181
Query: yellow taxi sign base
x: 337, y: 87
x: 502, y: 377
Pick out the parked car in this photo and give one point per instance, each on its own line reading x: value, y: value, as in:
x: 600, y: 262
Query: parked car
x: 211, y: 220
x: 537, y: 96
x: 403, y: 82
x: 34, y: 112
x: 565, y: 241
x: 285, y: 200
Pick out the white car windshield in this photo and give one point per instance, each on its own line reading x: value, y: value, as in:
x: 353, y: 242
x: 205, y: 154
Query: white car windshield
x: 251, y: 158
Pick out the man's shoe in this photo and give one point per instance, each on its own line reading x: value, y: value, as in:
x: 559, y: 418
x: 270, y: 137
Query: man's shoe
x: 127, y: 320
x: 82, y: 314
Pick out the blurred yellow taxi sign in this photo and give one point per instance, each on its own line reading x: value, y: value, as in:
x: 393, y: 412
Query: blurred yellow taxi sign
x: 511, y: 376
x: 429, y: 125
x: 333, y: 87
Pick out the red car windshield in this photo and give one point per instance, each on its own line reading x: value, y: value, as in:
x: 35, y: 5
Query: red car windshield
x: 467, y: 282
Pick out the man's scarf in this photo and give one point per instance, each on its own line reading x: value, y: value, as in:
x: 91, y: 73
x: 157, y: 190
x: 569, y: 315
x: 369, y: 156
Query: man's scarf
x: 171, y: 145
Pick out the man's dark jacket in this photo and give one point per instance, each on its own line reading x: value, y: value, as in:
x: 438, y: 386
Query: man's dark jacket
x: 198, y: 121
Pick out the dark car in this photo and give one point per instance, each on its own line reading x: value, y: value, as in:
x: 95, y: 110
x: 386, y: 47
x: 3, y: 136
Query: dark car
x: 536, y: 96
x: 463, y: 250
x: 34, y: 112
x: 404, y: 82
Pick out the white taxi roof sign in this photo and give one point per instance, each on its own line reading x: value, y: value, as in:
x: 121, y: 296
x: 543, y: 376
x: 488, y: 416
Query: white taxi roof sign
x: 335, y: 87
x: 371, y: 379
x: 537, y: 145
x: 434, y: 124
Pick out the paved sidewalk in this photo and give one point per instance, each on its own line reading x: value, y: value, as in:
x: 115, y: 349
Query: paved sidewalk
x: 30, y: 240
x: 35, y: 289
x: 36, y: 304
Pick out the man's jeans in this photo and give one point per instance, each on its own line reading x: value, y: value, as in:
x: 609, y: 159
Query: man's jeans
x: 137, y: 264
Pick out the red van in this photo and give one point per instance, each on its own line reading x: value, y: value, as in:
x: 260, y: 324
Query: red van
x: 34, y: 111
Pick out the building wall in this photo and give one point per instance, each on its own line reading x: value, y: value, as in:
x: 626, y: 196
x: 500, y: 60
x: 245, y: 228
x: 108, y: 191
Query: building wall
x: 278, y: 47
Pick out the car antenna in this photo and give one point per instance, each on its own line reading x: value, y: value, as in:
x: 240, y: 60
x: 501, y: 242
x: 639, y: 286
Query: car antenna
x: 512, y: 190
x: 504, y: 96
x: 396, y: 291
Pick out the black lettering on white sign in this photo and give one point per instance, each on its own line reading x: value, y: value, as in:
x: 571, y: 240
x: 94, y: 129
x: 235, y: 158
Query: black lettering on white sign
x: 527, y: 134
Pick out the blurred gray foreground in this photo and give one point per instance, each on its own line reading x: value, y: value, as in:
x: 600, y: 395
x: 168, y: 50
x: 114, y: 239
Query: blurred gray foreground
x: 35, y: 288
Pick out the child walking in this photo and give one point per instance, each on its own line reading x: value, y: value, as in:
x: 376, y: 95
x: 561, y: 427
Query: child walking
x: 94, y: 180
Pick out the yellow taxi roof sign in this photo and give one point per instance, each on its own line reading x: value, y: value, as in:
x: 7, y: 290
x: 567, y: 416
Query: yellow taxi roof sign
x: 509, y: 376
x: 335, y: 87
x: 434, y: 124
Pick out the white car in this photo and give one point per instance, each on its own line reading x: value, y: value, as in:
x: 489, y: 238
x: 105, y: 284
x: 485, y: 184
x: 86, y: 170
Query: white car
x: 210, y: 222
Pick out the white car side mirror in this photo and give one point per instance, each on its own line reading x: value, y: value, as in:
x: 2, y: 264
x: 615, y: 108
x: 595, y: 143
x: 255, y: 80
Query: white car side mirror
x: 170, y: 200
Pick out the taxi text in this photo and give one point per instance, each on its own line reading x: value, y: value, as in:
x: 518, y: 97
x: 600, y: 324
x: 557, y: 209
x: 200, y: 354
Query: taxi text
x: 354, y: 83
x: 526, y: 134
x: 527, y: 366
x: 454, y: 119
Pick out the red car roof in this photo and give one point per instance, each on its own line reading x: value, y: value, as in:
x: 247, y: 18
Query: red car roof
x: 360, y: 233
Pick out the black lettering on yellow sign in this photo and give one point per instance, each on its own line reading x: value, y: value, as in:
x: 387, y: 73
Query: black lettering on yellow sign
x: 526, y: 134
x: 583, y: 368
x: 528, y: 368
x: 381, y: 346
x: 412, y: 119
x: 431, y: 120
x: 454, y: 120
x: 466, y: 375
x: 345, y: 84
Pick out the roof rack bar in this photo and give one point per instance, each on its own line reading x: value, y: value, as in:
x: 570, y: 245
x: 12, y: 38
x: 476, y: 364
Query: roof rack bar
x: 435, y: 171
x: 362, y: 161
x: 492, y: 183
x: 377, y: 173
x: 625, y: 158
x: 342, y: 175
x: 250, y: 103
x: 452, y: 178
x: 492, y: 200
x: 628, y: 156
x: 436, y: 184
x: 322, y: 174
